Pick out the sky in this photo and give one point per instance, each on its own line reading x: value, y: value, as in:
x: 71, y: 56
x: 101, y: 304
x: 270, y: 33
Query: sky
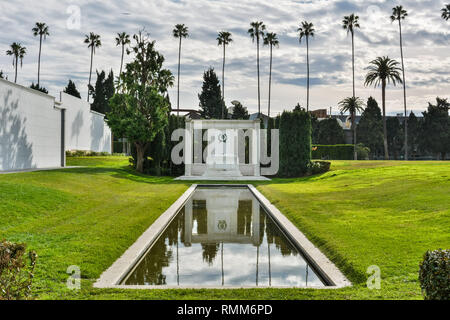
x: 65, y: 56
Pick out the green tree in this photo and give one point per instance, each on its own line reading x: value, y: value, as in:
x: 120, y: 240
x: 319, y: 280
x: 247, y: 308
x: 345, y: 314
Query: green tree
x: 180, y: 31
x: 140, y: 111
x: 122, y: 40
x: 370, y: 128
x: 330, y: 132
x: 2, y: 75
x: 41, y: 30
x: 103, y: 92
x: 306, y: 30
x: 435, y: 131
x: 270, y: 40
x: 239, y: 111
x: 398, y: 13
x: 352, y: 105
x: 446, y: 12
x: 350, y: 23
x: 72, y: 89
x: 256, y: 31
x: 413, y: 133
x: 18, y: 52
x: 223, y: 39
x: 211, y: 102
x: 383, y: 71
x: 93, y: 41
x: 395, y: 136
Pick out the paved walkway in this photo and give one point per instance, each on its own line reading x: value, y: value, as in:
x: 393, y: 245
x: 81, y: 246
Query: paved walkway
x: 36, y: 169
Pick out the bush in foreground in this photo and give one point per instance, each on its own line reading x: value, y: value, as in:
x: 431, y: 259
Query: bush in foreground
x: 16, y: 271
x: 434, y: 275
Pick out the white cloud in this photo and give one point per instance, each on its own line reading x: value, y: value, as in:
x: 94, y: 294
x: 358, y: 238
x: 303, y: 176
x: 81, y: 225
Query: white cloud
x: 65, y: 56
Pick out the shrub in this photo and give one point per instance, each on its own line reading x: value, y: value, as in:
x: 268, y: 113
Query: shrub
x: 318, y: 167
x: 333, y: 152
x: 434, y: 275
x: 16, y: 276
x: 362, y: 151
x: 85, y: 153
x: 295, y: 143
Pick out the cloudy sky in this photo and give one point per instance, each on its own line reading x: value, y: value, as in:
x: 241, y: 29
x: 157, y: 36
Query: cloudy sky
x: 65, y: 56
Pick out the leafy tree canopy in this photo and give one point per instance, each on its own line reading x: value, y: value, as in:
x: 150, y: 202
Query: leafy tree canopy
x: 103, y: 92
x: 330, y: 132
x: 72, y: 89
x: 239, y: 111
x: 370, y: 127
x: 211, y: 102
x: 38, y: 88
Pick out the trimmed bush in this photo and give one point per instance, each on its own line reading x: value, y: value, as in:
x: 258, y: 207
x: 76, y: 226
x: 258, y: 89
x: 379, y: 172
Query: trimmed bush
x: 16, y: 271
x: 334, y: 152
x: 295, y: 143
x: 318, y: 167
x: 85, y: 153
x: 434, y: 275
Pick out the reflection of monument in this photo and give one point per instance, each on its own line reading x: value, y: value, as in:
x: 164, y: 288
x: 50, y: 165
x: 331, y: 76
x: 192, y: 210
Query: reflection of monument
x: 222, y: 217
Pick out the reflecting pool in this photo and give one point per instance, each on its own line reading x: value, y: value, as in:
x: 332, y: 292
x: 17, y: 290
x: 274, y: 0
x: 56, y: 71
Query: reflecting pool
x: 223, y: 237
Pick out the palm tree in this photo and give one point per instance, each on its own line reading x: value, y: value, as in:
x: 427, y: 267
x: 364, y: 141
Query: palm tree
x: 41, y: 30
x: 271, y: 40
x: 93, y: 41
x: 350, y: 23
x: 257, y: 32
x: 352, y: 105
x: 122, y: 39
x: 398, y: 13
x: 18, y: 52
x: 383, y: 71
x: 306, y: 30
x: 446, y: 12
x: 180, y: 31
x: 223, y: 39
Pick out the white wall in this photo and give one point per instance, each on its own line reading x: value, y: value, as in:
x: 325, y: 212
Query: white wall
x: 30, y: 129
x: 85, y: 129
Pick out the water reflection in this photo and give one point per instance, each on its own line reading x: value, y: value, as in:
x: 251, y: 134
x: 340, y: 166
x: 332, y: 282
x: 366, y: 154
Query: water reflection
x: 222, y: 237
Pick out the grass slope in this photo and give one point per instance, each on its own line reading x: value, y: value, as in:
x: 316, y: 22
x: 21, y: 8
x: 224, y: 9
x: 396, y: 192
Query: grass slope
x: 360, y: 214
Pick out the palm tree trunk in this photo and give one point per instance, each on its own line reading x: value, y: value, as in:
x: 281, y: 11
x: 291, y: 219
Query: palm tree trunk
x: 17, y: 61
x: 178, y: 90
x: 270, y: 81
x: 223, y: 81
x: 383, y: 94
x: 39, y: 60
x: 355, y: 154
x: 121, y: 60
x: 353, y: 63
x: 257, y: 62
x: 404, y: 92
x: 307, y: 76
x: 90, y: 72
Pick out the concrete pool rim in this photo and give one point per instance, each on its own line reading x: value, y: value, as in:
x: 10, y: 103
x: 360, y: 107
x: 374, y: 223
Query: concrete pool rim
x: 117, y: 272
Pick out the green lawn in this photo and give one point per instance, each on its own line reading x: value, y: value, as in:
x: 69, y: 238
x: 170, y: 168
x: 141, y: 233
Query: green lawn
x: 360, y: 214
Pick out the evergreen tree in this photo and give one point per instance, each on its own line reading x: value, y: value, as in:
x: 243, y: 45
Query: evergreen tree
x: 72, y: 89
x: 413, y: 134
x: 370, y: 128
x: 330, y: 132
x: 395, y: 136
x: 103, y: 91
x: 211, y: 102
x: 239, y: 111
x: 435, y: 129
x: 2, y: 76
x: 38, y: 88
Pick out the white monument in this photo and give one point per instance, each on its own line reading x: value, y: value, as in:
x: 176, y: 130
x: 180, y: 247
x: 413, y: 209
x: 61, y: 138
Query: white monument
x: 222, y: 150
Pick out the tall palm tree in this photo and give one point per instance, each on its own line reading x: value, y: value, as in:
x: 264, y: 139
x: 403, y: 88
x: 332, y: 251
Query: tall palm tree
x: 93, y: 41
x: 223, y: 39
x: 18, y: 52
x: 350, y: 23
x: 398, y: 13
x: 306, y: 30
x: 352, y: 105
x: 256, y: 31
x: 41, y: 30
x: 180, y: 31
x: 122, y: 39
x: 383, y: 71
x: 446, y: 12
x: 271, y: 40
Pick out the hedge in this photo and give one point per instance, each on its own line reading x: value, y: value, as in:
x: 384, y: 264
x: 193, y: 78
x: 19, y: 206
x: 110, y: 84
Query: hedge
x: 434, y: 275
x: 335, y: 152
x: 295, y: 143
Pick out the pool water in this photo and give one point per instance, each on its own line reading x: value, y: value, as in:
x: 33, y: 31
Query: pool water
x: 222, y: 237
